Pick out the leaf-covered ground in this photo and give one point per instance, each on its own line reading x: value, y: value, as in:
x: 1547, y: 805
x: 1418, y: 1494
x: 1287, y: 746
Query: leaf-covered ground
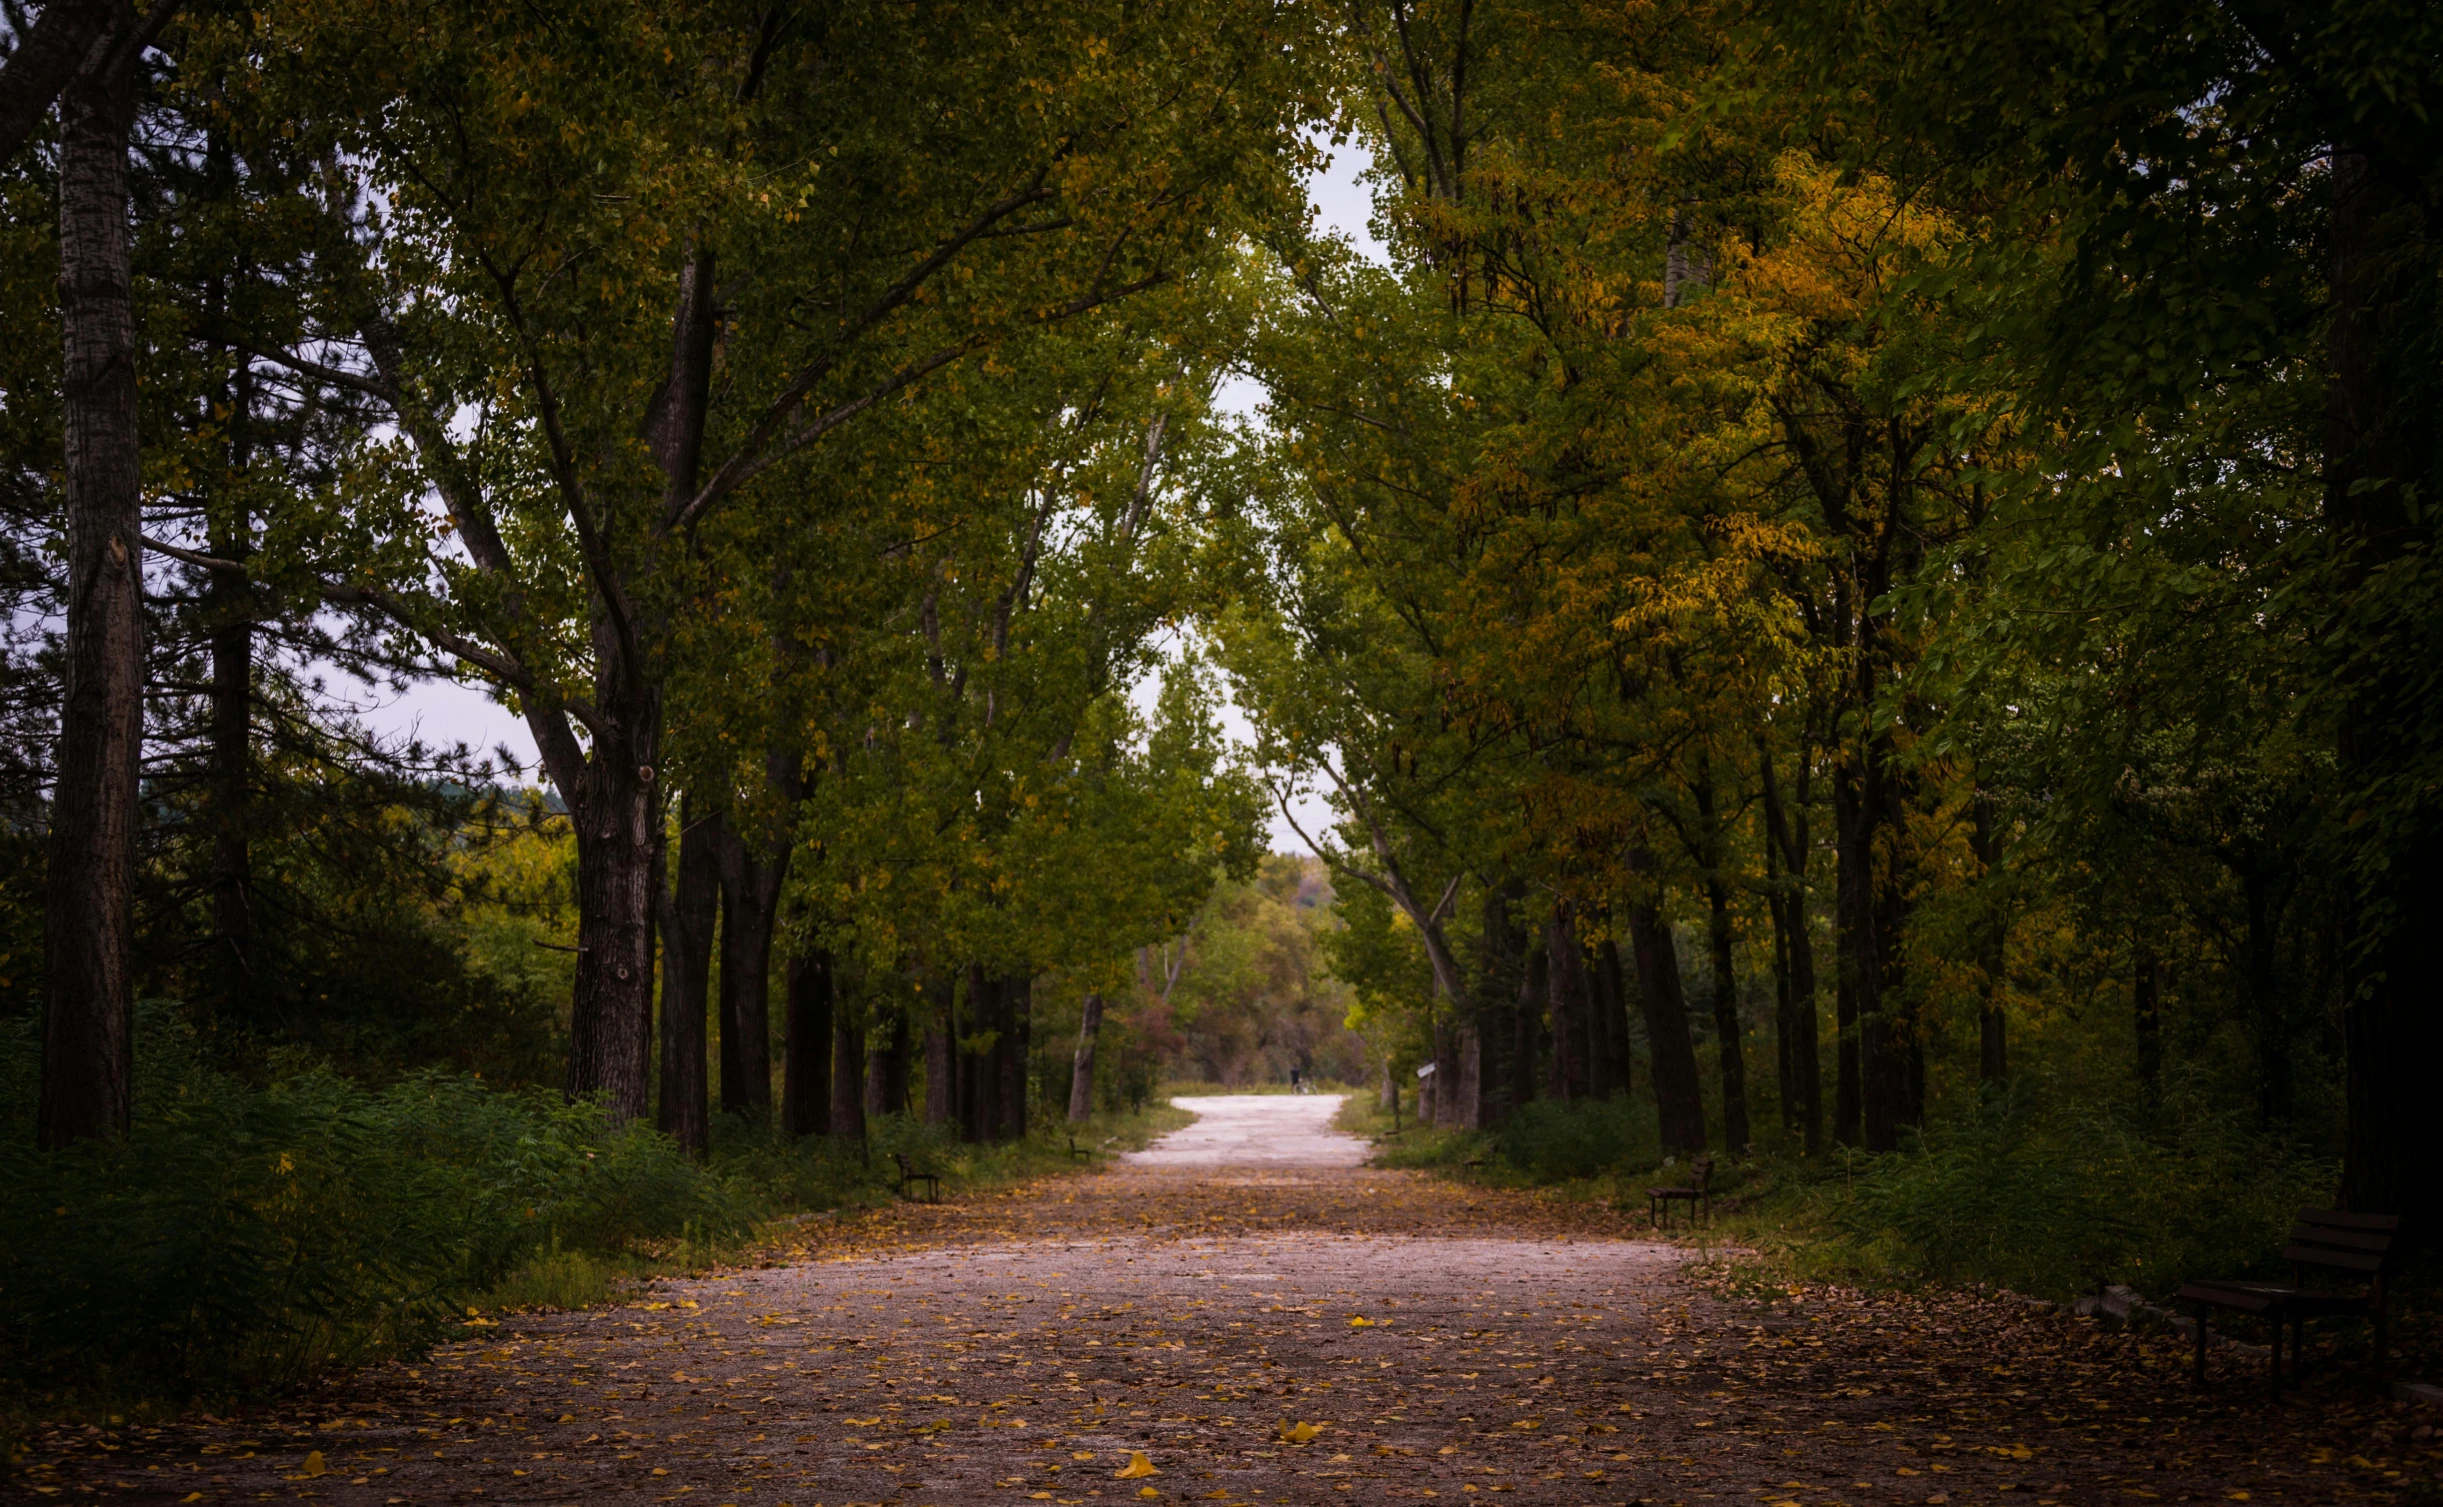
x: 1271, y: 1336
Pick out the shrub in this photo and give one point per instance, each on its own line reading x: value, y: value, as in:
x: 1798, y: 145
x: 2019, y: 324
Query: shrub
x: 2061, y: 1200
x: 1551, y: 1139
x: 243, y: 1237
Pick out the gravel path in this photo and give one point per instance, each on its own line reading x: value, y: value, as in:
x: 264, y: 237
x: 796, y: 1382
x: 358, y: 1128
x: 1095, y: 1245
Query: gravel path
x: 1275, y: 1327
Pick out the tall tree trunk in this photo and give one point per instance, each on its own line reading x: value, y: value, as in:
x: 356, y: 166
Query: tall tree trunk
x: 805, y: 1092
x: 886, y: 1064
x: 1573, y: 1007
x: 1612, y: 1001
x: 979, y: 1074
x: 1017, y: 1015
x: 1449, y: 1112
x: 941, y: 1051
x: 847, y: 1066
x: 750, y: 902
x: 1730, y: 1036
x: 687, y: 919
x: 1527, y: 1026
x: 1660, y: 1000
x: 1786, y: 831
x: 1081, y: 1067
x: 2383, y: 473
x: 88, y: 1056
x: 1859, y: 971
x: 1494, y: 1077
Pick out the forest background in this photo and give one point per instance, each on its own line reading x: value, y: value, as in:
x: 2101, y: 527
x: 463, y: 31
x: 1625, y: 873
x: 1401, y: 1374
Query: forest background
x: 1892, y: 537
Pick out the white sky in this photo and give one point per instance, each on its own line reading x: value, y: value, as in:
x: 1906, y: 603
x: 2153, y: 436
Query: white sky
x: 450, y: 711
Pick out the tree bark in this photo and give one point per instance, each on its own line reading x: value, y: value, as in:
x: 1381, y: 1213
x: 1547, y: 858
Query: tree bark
x: 1081, y: 1067
x: 941, y: 1052
x: 1786, y: 832
x: 1611, y: 999
x: 979, y: 1076
x: 1572, y: 1008
x: 1017, y: 1015
x: 88, y: 1062
x: 1730, y: 1036
x: 750, y: 902
x: 847, y: 1068
x: 47, y: 60
x: 687, y: 920
x: 1660, y: 1000
x: 805, y: 1093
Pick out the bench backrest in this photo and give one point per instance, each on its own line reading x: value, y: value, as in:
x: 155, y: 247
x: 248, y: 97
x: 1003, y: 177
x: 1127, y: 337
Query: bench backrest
x: 1702, y: 1178
x: 2340, y: 1241
x: 901, y: 1158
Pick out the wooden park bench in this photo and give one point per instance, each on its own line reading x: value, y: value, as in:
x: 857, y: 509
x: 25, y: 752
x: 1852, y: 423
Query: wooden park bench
x: 910, y: 1177
x: 1697, y: 1194
x: 2351, y: 1247
x: 1079, y: 1153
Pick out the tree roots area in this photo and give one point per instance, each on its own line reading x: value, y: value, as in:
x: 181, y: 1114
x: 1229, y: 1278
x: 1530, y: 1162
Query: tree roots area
x: 1269, y: 1334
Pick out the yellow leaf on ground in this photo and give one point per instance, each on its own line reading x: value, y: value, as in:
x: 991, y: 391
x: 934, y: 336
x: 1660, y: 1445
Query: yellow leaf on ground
x: 1136, y: 1467
x: 1148, y: 1491
x: 1298, y: 1433
x: 313, y: 1463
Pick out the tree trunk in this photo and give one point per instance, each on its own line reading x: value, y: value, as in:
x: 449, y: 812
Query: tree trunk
x: 88, y: 1057
x: 1573, y: 1008
x: 1081, y: 1068
x: 805, y: 1092
x: 979, y: 1077
x: 1017, y: 1015
x: 1449, y: 1112
x: 1527, y: 1026
x: 2383, y: 475
x: 1611, y: 1000
x: 687, y: 964
x: 1857, y: 994
x: 750, y: 902
x: 1730, y: 1035
x: 1786, y: 831
x: 847, y: 1067
x: 1665, y: 1009
x: 941, y: 1052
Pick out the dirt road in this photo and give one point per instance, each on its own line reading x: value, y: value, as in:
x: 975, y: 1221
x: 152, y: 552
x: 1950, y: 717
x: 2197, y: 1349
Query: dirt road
x: 1264, y: 1322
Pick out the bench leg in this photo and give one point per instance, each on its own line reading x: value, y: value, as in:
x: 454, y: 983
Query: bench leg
x: 2201, y: 1344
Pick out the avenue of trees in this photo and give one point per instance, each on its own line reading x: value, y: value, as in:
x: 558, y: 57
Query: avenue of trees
x: 1860, y: 560
x: 1853, y: 558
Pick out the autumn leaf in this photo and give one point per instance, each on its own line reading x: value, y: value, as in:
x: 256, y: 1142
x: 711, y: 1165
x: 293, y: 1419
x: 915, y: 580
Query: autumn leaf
x: 1299, y: 1433
x: 1137, y: 1466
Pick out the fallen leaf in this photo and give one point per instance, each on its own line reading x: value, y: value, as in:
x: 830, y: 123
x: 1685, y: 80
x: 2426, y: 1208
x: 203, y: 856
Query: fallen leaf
x: 1136, y: 1467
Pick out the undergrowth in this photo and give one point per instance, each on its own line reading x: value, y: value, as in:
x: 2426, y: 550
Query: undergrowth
x: 249, y: 1234
x: 2036, y: 1195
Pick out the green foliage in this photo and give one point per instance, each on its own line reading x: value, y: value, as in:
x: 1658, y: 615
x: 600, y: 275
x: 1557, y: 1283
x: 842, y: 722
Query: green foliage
x: 1557, y: 1141
x: 2057, y: 1199
x: 244, y: 1237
